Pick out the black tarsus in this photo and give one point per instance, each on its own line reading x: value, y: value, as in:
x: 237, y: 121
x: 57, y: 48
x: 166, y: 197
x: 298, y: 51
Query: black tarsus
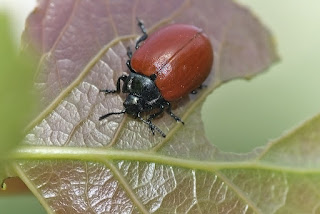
x: 123, y: 78
x: 144, y: 33
x: 152, y: 127
x: 178, y: 119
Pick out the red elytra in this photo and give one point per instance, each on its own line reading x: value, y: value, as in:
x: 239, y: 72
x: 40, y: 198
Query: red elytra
x: 180, y: 55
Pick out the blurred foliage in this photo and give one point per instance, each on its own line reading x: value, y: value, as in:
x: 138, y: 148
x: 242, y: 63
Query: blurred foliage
x: 17, y: 204
x: 16, y: 104
x: 242, y: 115
x: 16, y: 81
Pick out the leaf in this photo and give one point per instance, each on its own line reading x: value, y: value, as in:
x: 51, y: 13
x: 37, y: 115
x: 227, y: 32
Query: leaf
x: 297, y: 156
x: 76, y: 164
x: 15, y: 94
x: 15, y: 86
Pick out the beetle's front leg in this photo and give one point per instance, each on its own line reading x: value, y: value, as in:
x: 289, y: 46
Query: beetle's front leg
x: 107, y: 91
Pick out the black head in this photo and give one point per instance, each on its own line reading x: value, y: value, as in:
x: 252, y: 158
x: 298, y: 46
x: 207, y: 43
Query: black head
x: 143, y: 95
x: 133, y: 105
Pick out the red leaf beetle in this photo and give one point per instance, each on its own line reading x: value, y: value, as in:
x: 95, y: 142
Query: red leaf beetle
x: 166, y: 66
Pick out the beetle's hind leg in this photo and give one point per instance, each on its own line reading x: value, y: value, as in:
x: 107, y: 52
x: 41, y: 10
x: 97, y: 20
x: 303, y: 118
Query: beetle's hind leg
x: 195, y: 91
x: 178, y: 119
x: 144, y: 33
x: 108, y: 91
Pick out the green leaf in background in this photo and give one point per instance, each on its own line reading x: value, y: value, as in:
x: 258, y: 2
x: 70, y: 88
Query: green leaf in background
x: 16, y: 81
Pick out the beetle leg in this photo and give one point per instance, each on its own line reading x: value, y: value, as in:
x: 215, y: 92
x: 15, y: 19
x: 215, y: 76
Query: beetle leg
x: 144, y: 35
x: 128, y: 63
x: 152, y: 127
x: 107, y: 91
x: 153, y: 77
x: 178, y: 119
x: 129, y: 52
x: 195, y: 91
x: 152, y: 116
x: 202, y: 86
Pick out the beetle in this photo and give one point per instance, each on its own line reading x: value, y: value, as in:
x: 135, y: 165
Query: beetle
x: 166, y: 66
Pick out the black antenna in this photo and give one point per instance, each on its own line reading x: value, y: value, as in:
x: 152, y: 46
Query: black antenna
x: 112, y: 113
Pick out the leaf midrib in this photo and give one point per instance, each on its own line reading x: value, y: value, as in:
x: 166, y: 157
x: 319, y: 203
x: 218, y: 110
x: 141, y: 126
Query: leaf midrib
x: 102, y: 154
